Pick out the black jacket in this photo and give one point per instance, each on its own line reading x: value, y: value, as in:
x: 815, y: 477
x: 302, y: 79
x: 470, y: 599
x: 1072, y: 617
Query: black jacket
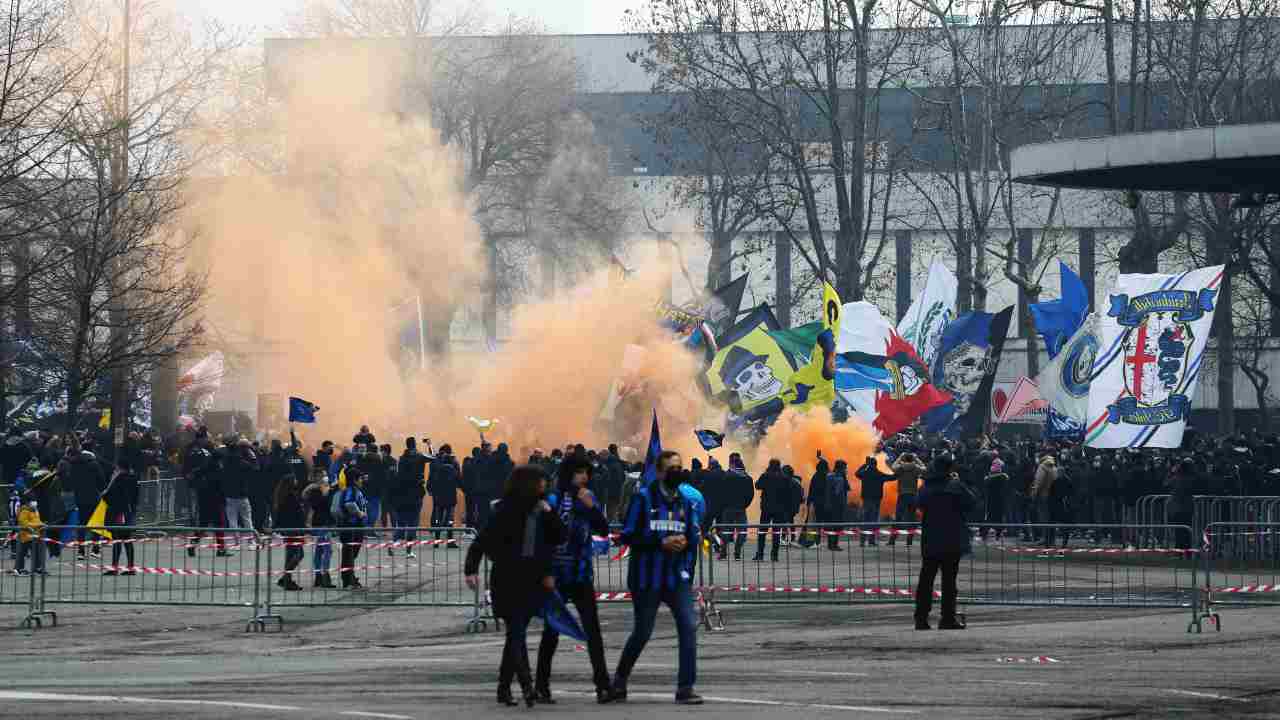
x: 714, y: 490
x: 873, y: 480
x: 122, y: 493
x: 14, y: 455
x: 944, y: 508
x: 82, y: 474
x: 492, y: 474
x: 445, y: 480
x: 514, y: 580
x: 775, y: 493
x: 236, y: 476
x: 378, y: 486
x: 739, y: 490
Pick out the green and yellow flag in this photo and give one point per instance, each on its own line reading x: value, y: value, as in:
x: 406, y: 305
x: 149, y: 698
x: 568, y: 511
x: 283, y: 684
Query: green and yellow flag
x: 814, y: 384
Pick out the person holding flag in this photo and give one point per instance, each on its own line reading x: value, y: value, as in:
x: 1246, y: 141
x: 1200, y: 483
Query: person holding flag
x: 662, y: 530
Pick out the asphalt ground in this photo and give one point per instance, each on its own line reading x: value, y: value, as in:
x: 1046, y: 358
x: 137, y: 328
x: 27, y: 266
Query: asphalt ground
x: 769, y: 662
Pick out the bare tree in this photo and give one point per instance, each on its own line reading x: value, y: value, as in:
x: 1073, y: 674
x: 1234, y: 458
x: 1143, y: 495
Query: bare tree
x: 801, y: 81
x: 1256, y: 349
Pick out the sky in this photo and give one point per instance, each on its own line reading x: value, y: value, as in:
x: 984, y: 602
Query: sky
x: 558, y: 16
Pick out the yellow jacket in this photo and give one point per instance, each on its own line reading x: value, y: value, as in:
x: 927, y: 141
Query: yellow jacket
x: 28, y: 520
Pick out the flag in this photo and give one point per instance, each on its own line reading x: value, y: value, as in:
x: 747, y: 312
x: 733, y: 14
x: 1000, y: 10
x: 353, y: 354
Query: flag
x: 929, y: 314
x: 1024, y: 400
x: 725, y: 304
x: 966, y: 368
x: 1065, y: 382
x: 481, y: 424
x: 710, y: 439
x: 814, y: 384
x: 556, y: 615
x: 1057, y: 320
x: 750, y: 370
x: 98, y: 520
x: 104, y: 422
x: 878, y: 374
x: 798, y: 341
x: 342, y: 478
x: 650, y: 471
x: 302, y: 411
x: 1151, y: 346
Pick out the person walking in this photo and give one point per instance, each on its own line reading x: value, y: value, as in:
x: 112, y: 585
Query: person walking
x: 583, y: 516
x: 662, y: 529
x: 82, y: 474
x: 944, y: 503
x: 908, y: 469
x: 520, y: 541
x: 833, y: 502
x: 238, y: 472
x: 775, y: 502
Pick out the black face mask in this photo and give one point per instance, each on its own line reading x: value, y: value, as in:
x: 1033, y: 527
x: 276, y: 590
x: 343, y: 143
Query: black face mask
x: 674, y: 478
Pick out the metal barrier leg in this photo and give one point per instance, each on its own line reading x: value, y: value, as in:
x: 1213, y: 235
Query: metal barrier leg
x: 36, y: 612
x: 262, y: 611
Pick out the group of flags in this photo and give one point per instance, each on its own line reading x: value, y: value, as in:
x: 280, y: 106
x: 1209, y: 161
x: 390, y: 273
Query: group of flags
x: 1119, y: 379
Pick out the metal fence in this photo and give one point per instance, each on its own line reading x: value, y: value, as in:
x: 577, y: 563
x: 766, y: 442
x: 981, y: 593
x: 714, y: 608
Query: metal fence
x: 1206, y: 510
x: 1241, y: 566
x: 1029, y: 565
x: 1048, y: 565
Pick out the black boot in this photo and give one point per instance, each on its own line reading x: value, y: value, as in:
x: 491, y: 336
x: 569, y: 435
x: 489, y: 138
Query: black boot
x: 505, y: 698
x: 543, y: 696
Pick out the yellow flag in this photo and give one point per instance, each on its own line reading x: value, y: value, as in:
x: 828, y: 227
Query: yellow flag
x: 104, y: 423
x: 814, y: 384
x: 98, y: 519
x: 342, y: 479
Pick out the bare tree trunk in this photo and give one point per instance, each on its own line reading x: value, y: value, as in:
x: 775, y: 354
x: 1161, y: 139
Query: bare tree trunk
x: 964, y: 271
x: 719, y: 265
x: 782, y: 273
x: 1224, y: 330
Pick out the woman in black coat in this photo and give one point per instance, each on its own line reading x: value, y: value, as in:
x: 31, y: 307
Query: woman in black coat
x: 519, y: 540
x: 122, y: 500
x: 944, y: 502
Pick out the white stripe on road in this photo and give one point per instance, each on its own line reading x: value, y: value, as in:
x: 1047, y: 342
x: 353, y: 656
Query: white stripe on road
x: 1210, y: 696
x: 769, y: 703
x: 61, y: 697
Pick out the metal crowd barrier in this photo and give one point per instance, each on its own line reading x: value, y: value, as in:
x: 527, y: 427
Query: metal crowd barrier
x: 1241, y: 562
x: 405, y: 567
x: 218, y: 567
x: 1206, y: 510
x: 1013, y: 566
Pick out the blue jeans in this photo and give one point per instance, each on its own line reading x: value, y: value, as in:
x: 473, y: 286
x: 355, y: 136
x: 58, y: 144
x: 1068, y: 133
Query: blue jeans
x: 324, y: 551
x: 406, y: 521
x: 375, y: 512
x: 644, y: 605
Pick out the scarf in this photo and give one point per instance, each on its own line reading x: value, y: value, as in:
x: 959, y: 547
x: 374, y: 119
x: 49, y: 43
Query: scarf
x: 531, y: 533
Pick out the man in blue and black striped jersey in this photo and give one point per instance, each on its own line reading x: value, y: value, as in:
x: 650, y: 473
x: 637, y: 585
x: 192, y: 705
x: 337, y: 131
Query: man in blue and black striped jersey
x: 662, y: 528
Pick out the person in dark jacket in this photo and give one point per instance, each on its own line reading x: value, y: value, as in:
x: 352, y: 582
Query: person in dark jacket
x: 316, y: 497
x: 611, y: 483
x: 121, y: 497
x: 944, y: 503
x: 443, y: 485
x: 324, y: 456
x: 353, y: 506
x: 82, y: 475
x: 364, y: 437
x: 1182, y: 483
x: 15, y: 453
x: 377, y: 488
x: 775, y: 504
x: 797, y: 502
x: 872, y: 479
x: 290, y: 514
x: 833, y: 501
x: 583, y: 516
x: 410, y: 489
x: 471, y: 468
x: 520, y: 541
x: 490, y: 480
x: 239, y: 470
x: 739, y: 493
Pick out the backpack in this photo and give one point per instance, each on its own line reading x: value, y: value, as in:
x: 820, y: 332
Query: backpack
x: 835, y: 494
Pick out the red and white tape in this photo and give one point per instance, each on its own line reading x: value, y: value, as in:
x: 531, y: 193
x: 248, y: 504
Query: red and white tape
x: 820, y: 590
x: 1237, y: 589
x: 1036, y: 660
x: 1093, y: 551
x: 194, y: 572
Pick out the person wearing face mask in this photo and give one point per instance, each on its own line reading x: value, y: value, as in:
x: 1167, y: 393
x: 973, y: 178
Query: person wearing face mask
x: 520, y: 541
x: 662, y: 529
x: 583, y: 515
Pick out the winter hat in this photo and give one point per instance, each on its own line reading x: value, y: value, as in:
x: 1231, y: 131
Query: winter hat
x: 997, y: 466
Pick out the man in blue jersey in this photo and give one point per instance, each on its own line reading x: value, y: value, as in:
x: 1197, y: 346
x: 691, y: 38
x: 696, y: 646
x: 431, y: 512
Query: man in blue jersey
x: 662, y: 528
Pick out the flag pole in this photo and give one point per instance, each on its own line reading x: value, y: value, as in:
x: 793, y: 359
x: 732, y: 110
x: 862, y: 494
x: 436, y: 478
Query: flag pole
x: 422, y: 336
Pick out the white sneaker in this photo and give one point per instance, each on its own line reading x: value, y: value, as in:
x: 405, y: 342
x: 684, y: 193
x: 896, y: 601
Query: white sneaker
x: 411, y: 556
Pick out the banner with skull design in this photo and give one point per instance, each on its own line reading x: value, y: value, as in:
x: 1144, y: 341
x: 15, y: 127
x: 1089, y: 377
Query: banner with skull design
x: 750, y: 369
x: 966, y: 368
x: 1151, y: 346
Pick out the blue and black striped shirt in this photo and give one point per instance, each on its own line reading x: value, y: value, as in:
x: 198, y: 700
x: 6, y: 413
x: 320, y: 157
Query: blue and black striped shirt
x: 572, y: 561
x: 651, y: 518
